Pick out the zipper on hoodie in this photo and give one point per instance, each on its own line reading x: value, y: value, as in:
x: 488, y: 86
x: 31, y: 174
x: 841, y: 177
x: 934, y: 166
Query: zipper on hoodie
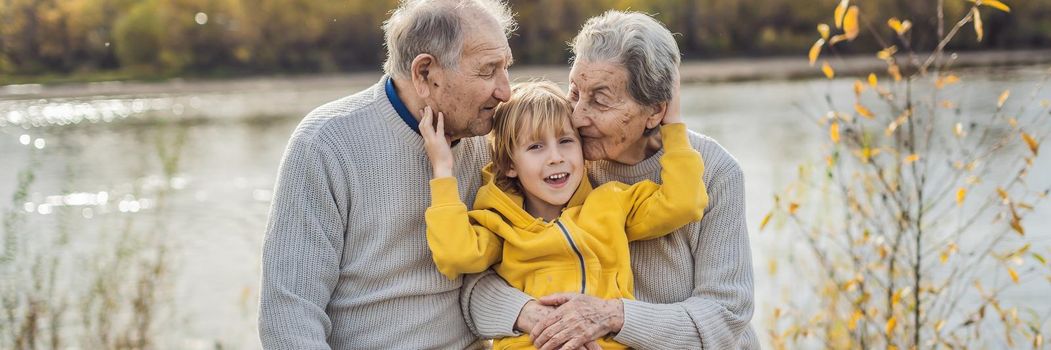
x: 580, y: 257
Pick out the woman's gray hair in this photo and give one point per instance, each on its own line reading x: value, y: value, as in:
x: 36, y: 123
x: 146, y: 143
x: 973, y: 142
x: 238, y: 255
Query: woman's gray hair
x: 638, y: 42
x: 435, y: 27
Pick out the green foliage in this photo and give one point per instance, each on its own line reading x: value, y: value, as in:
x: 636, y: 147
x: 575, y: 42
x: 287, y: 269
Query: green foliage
x: 247, y: 36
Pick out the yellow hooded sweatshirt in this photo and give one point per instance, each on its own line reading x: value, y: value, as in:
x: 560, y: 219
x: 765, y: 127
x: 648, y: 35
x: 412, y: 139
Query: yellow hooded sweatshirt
x: 585, y: 250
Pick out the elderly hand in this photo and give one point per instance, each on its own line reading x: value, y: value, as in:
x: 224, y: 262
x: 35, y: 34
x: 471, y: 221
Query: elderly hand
x: 436, y: 143
x: 578, y: 321
x: 674, y: 112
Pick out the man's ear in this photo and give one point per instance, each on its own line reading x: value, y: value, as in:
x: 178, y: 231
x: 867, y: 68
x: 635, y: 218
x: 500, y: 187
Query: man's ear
x: 656, y: 115
x: 426, y: 73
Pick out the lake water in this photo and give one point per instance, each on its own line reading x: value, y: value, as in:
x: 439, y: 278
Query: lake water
x: 191, y: 165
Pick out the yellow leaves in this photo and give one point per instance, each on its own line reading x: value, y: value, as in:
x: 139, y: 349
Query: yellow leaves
x: 827, y: 69
x: 772, y: 267
x: 836, y: 39
x: 938, y: 326
x: 994, y: 4
x: 949, y: 250
x: 833, y: 132
x: 793, y: 207
x: 1013, y: 273
x: 894, y: 72
x: 823, y: 30
x: 899, y: 27
x: 887, y: 53
x: 1016, y: 224
x: 841, y: 10
x: 858, y: 88
x: 854, y: 318
x: 961, y: 194
x: 816, y: 50
x: 896, y: 298
x: 978, y: 31
x: 958, y: 130
x: 873, y: 81
x: 912, y: 158
x: 850, y: 23
x: 866, y: 154
x: 889, y: 327
x: 1034, y: 146
x: 1003, y: 194
x: 864, y: 112
x: 766, y: 220
x: 1003, y: 98
x: 897, y: 122
x: 950, y: 79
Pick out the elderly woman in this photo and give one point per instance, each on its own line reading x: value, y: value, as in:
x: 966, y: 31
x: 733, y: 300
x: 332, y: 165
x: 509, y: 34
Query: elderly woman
x: 694, y: 286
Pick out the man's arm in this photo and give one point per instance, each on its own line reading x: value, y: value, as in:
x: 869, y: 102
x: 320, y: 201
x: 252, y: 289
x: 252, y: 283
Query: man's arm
x: 491, y: 307
x: 302, y: 249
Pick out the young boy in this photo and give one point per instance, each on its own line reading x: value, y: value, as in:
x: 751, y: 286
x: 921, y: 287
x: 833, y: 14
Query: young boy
x: 538, y: 219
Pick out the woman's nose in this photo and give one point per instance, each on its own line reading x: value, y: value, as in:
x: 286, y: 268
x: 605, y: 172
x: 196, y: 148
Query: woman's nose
x: 579, y: 118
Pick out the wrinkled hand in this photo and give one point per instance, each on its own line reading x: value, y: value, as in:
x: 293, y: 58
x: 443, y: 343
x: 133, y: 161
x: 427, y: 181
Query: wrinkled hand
x: 578, y: 321
x: 436, y: 143
x: 674, y: 112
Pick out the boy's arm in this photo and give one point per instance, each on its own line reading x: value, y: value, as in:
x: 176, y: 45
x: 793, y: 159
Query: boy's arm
x: 659, y: 209
x: 456, y: 245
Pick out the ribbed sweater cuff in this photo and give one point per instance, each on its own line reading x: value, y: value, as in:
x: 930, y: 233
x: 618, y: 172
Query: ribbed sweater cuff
x: 444, y: 191
x: 648, y: 326
x: 497, y: 309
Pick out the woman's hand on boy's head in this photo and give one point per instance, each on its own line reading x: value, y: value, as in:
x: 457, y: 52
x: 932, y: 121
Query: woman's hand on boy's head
x: 436, y: 143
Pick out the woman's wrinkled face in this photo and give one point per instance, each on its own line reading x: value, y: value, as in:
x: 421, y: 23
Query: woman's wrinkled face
x: 611, y: 123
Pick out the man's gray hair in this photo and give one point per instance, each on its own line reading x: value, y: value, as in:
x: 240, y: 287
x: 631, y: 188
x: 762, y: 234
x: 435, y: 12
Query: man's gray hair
x: 638, y: 42
x: 435, y: 27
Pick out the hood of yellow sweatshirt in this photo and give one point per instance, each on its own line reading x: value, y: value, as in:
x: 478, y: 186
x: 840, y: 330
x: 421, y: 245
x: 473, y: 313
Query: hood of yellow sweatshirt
x: 511, y: 206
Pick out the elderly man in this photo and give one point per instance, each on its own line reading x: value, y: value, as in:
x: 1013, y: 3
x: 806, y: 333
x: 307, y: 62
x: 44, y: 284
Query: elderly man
x: 345, y: 259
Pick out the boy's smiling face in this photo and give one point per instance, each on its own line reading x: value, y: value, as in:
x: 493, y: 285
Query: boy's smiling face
x: 548, y: 169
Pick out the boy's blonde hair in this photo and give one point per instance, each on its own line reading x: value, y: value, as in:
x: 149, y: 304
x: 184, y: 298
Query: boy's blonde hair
x: 534, y: 107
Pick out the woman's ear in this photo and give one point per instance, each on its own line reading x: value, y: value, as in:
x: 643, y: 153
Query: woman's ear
x: 657, y: 113
x: 425, y: 74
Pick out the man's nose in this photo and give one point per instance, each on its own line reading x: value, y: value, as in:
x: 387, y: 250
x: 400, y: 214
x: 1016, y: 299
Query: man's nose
x: 503, y: 86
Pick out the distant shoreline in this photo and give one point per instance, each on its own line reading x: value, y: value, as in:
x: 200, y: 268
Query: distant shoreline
x: 708, y: 71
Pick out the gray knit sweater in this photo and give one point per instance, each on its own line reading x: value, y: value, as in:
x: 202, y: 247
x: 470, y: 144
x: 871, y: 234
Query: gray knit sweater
x: 345, y: 259
x: 694, y: 286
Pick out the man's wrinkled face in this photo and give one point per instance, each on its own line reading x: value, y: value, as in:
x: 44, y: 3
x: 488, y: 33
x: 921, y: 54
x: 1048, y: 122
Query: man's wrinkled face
x: 468, y: 95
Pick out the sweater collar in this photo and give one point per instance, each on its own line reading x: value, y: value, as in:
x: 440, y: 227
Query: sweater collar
x: 399, y: 106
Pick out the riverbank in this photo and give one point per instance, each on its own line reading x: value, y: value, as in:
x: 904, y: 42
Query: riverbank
x: 722, y: 70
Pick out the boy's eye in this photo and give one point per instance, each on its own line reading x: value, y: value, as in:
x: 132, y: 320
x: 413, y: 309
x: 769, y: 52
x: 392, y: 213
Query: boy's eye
x: 567, y: 140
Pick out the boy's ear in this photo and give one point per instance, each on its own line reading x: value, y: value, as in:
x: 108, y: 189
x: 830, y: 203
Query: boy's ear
x: 511, y: 173
x: 425, y: 74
